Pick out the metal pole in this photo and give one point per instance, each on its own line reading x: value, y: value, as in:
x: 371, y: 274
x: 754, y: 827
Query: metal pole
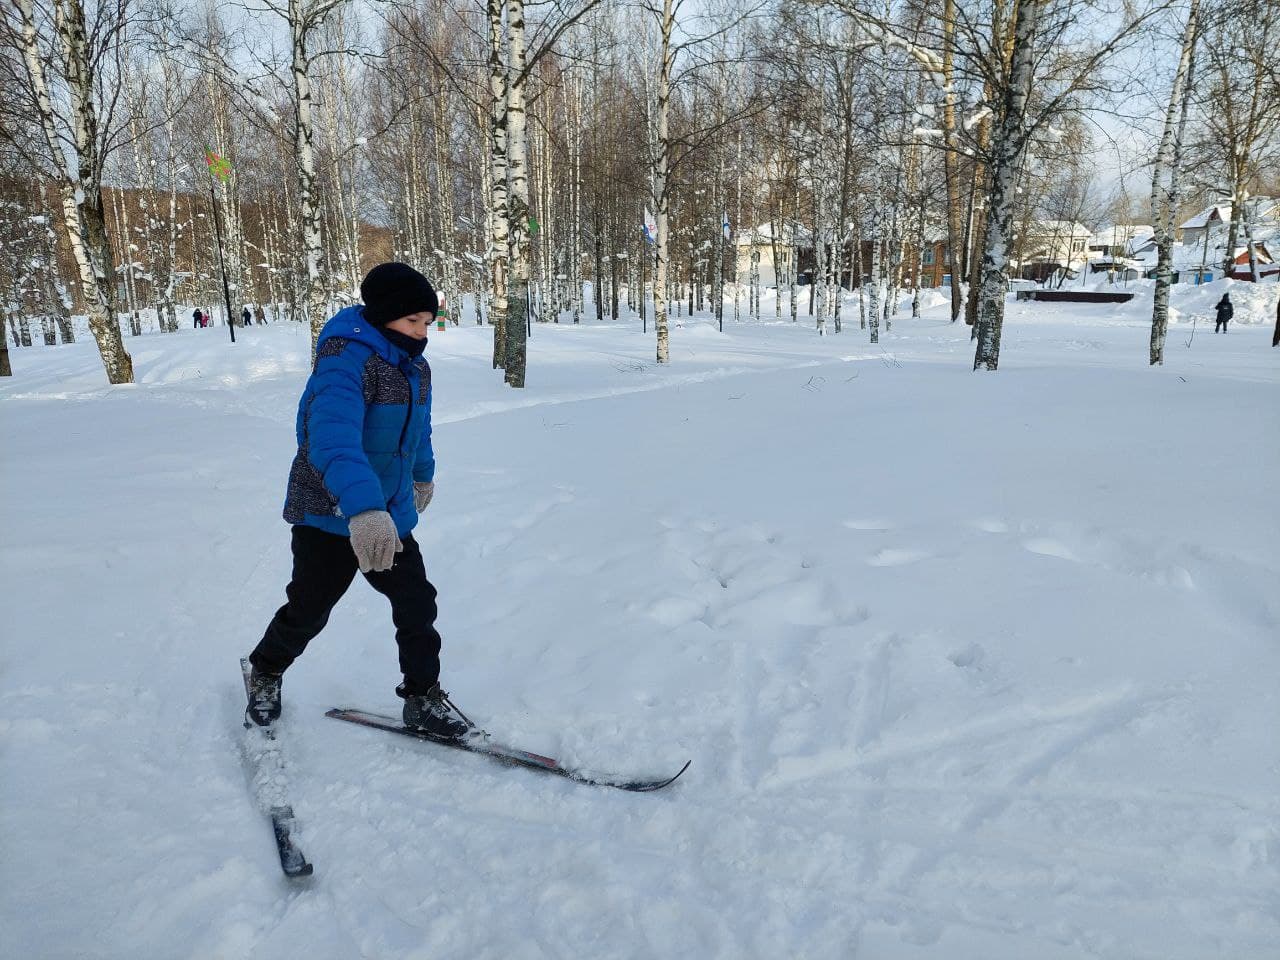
x: 226, y: 290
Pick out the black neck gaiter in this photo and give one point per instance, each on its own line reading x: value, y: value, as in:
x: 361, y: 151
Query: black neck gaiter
x: 408, y: 344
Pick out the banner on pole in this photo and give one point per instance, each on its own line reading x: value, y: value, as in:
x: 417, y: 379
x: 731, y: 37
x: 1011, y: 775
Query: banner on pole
x: 650, y: 227
x: 219, y: 167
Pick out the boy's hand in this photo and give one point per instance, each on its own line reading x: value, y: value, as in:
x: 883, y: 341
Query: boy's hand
x: 374, y: 540
x: 422, y: 494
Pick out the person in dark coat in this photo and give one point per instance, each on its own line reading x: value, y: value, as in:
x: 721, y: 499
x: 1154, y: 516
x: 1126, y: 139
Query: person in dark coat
x: 363, y: 472
x: 1225, y: 311
x: 246, y: 318
x: 197, y: 319
x: 1275, y: 337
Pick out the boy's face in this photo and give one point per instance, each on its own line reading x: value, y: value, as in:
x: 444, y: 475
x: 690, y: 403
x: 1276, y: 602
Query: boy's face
x: 414, y: 325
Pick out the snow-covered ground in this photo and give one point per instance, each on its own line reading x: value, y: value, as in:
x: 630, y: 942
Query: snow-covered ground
x: 968, y: 665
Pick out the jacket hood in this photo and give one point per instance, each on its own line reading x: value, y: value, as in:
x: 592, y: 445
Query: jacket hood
x: 350, y: 324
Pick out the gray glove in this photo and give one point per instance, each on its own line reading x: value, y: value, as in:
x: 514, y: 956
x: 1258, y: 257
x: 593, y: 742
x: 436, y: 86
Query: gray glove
x: 374, y: 539
x: 422, y: 494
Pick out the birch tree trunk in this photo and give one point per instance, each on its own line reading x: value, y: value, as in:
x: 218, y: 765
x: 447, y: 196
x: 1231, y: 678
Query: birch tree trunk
x: 498, y: 255
x: 300, y: 25
x: 793, y: 244
x: 1164, y: 184
x: 717, y: 288
x: 977, y: 227
x: 873, y: 295
x: 81, y: 189
x: 445, y: 212
x: 575, y: 250
x: 951, y: 162
x: 518, y: 198
x: 165, y: 307
x: 737, y: 278
x: 58, y: 293
x: 660, y: 184
x: 1010, y: 148
x: 1253, y: 253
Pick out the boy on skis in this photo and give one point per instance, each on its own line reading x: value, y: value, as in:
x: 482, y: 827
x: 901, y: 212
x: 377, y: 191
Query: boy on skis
x: 363, y: 472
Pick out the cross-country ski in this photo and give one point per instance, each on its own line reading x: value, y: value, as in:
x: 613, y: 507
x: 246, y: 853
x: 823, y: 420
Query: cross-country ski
x: 482, y: 743
x: 264, y: 758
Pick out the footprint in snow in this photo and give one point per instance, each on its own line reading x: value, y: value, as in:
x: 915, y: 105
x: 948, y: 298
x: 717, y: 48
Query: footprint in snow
x: 1047, y: 547
x: 896, y: 557
x: 869, y: 525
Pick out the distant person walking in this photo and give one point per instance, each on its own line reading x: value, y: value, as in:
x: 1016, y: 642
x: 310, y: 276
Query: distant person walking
x: 1275, y: 337
x: 262, y: 315
x: 246, y: 318
x: 197, y: 319
x: 1225, y: 312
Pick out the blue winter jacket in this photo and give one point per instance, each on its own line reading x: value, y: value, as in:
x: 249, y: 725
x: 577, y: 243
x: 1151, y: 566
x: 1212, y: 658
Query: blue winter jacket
x: 364, y: 429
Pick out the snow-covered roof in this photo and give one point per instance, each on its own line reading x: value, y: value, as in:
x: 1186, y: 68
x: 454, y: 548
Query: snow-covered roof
x: 1063, y: 228
x: 1265, y: 211
x: 1118, y: 233
x: 1219, y: 212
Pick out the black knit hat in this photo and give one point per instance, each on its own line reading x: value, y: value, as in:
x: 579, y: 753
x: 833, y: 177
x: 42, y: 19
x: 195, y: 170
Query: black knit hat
x: 394, y: 290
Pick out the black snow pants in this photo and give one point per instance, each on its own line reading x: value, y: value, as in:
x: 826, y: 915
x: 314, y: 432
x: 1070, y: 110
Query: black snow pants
x: 323, y: 567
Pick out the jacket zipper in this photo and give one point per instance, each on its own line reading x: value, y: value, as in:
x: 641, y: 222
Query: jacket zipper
x: 408, y: 418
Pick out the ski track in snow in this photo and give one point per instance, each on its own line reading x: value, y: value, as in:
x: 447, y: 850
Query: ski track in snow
x: 967, y: 666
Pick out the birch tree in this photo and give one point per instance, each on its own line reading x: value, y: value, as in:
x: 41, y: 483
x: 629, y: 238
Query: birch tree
x: 1165, y: 180
x: 662, y: 172
x: 519, y: 64
x: 305, y: 21
x: 515, y: 332
x: 497, y: 213
x: 1009, y: 152
x: 78, y: 128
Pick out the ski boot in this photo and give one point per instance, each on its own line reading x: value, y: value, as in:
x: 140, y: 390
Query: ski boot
x: 433, y: 713
x: 264, y: 698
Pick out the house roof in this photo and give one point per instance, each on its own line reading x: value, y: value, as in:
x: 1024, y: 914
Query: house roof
x: 1062, y: 228
x: 1263, y: 210
x: 1119, y: 233
x: 1217, y: 213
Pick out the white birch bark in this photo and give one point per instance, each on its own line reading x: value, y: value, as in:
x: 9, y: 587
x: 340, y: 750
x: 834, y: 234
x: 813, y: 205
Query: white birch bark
x: 717, y: 289
x: 1164, y: 184
x: 518, y: 198
x: 873, y: 295
x: 303, y: 18
x: 1010, y: 149
x: 445, y: 211
x: 858, y: 260
x: 793, y: 243
x: 951, y: 171
x: 499, y: 230
x: 124, y: 235
x: 575, y: 253
x: 737, y: 273
x: 660, y: 184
